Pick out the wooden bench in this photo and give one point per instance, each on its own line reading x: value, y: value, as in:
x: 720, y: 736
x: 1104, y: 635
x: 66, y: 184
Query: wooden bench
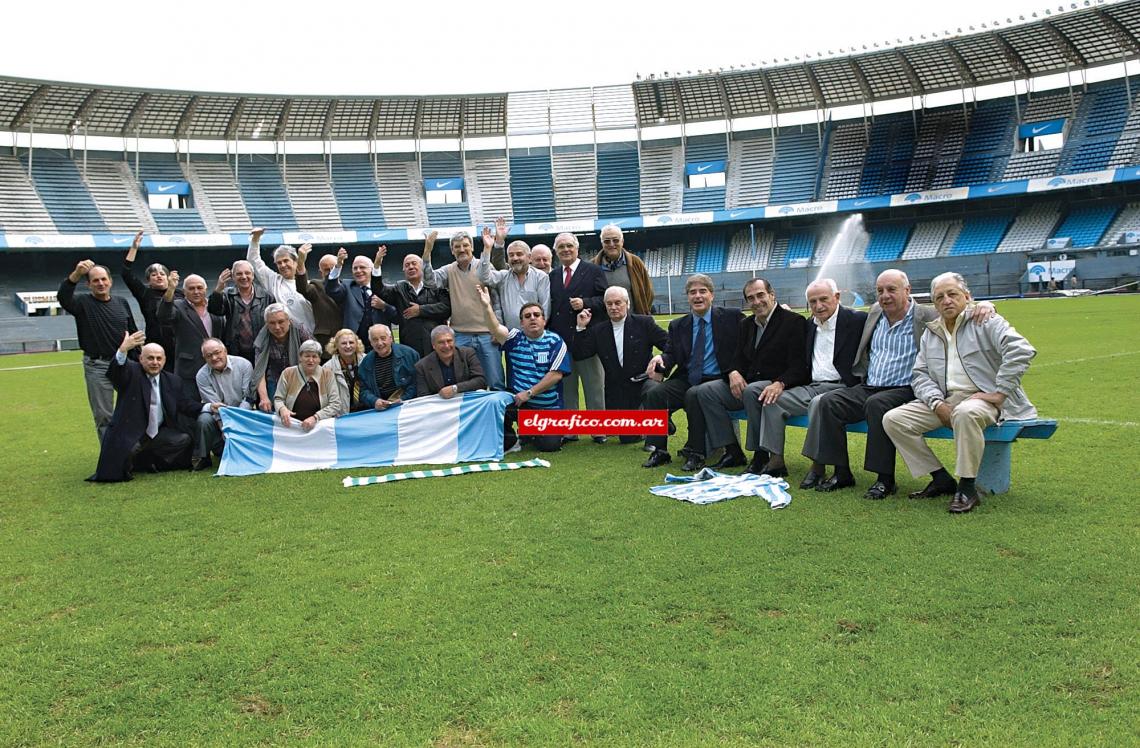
x: 994, y: 473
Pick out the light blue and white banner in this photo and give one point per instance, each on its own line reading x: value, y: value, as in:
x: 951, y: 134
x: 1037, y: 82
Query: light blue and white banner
x: 424, y: 431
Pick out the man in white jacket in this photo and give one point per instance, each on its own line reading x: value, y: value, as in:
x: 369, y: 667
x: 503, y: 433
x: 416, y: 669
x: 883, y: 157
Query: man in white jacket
x: 966, y: 377
x: 282, y: 283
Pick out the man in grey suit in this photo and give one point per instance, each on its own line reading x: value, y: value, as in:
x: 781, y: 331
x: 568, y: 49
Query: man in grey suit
x: 449, y: 370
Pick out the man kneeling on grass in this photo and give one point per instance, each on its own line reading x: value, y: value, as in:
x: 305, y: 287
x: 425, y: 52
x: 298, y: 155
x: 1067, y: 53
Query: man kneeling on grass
x: 537, y: 360
x: 966, y: 377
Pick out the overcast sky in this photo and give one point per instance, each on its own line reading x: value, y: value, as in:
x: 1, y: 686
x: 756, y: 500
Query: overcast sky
x: 337, y: 47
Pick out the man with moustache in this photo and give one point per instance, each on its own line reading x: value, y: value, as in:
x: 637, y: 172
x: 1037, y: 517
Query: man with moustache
x: 518, y: 284
x: 625, y: 269
x: 769, y: 359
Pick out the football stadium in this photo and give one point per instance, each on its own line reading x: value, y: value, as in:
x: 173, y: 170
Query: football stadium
x: 424, y: 579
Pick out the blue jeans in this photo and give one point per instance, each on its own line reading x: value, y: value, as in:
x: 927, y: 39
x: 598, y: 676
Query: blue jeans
x: 489, y: 356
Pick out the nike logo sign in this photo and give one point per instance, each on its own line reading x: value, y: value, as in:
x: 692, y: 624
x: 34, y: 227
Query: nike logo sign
x: 121, y: 240
x: 735, y: 213
x: 992, y: 190
x: 706, y: 167
x: 857, y: 203
x: 441, y: 185
x: 1036, y: 130
x: 166, y: 187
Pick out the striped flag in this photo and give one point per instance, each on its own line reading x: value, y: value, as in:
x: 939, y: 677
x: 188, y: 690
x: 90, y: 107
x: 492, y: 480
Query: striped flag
x: 427, y: 430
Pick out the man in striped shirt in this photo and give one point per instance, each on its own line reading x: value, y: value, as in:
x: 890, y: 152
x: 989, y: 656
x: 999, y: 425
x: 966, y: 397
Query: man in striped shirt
x: 885, y: 358
x: 537, y: 360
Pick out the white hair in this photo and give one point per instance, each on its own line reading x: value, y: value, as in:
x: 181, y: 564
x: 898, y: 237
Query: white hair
x: 832, y: 288
x: 956, y: 277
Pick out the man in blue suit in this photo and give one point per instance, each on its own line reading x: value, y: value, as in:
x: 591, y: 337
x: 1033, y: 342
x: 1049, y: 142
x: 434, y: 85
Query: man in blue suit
x: 702, y: 347
x: 360, y: 307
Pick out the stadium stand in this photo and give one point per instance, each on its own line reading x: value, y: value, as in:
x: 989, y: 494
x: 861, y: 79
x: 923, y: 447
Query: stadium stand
x: 980, y: 234
x: 488, y: 186
x: 216, y: 194
x: 401, y: 191
x: 357, y: 199
x: 799, y: 250
x: 1031, y: 228
x: 311, y: 194
x: 795, y: 166
x: 619, y: 179
x: 888, y: 242
x: 928, y: 237
x: 662, y: 168
x: 63, y: 192
x: 532, y: 184
x: 21, y: 210
x: 116, y: 194
x: 1086, y: 224
x: 711, y: 250
x: 749, y: 178
x: 263, y: 191
x: 844, y: 167
x: 1127, y: 220
x: 575, y: 182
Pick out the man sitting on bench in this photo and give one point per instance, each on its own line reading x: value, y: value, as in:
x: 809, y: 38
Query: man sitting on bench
x: 966, y: 377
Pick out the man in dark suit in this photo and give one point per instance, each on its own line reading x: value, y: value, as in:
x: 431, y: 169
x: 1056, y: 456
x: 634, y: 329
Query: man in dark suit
x: 623, y: 346
x: 420, y: 308
x: 448, y: 370
x: 576, y: 285
x: 355, y: 298
x: 144, y: 430
x: 769, y: 357
x: 149, y: 295
x: 191, y: 324
x: 831, y: 337
x: 702, y: 347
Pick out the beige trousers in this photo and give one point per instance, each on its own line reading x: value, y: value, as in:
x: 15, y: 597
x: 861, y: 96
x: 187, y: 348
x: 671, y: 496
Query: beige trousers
x: 906, y: 425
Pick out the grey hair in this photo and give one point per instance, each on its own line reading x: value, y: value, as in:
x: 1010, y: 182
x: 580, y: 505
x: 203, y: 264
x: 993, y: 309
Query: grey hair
x: 615, y: 227
x: 234, y: 267
x: 380, y: 325
x: 309, y: 346
x: 439, y: 331
x: 699, y: 279
x: 284, y: 251
x: 272, y: 309
x: 459, y: 236
x: 156, y: 267
x: 569, y: 234
x: 193, y: 276
x: 956, y: 277
x: 624, y: 293
x: 904, y: 276
x: 832, y: 287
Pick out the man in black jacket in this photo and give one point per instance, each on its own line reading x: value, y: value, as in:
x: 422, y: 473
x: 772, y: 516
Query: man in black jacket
x: 769, y: 357
x: 242, y: 307
x: 191, y: 324
x: 831, y: 339
x: 148, y: 295
x: 420, y: 308
x: 624, y: 346
x: 702, y: 347
x: 576, y: 285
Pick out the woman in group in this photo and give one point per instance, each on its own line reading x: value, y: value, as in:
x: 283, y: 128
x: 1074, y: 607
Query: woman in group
x: 306, y: 391
x: 346, y: 351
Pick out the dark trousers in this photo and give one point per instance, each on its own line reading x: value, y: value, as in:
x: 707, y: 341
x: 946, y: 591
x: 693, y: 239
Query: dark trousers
x: 545, y: 443
x: 626, y: 396
x: 168, y: 450
x: 849, y: 405
x: 673, y: 395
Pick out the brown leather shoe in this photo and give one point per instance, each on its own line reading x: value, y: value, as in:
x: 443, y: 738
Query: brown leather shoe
x: 962, y: 503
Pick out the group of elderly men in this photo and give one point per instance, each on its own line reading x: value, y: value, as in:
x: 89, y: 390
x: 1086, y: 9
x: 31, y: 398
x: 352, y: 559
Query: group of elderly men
x: 902, y: 367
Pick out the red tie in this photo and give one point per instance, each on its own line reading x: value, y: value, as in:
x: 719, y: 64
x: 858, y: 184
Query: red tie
x: 566, y: 280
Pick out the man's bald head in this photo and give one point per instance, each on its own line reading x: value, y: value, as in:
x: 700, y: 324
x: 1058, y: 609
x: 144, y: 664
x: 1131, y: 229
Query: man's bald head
x: 152, y: 358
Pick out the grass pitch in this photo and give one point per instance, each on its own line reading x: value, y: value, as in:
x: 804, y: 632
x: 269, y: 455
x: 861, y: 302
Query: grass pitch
x: 569, y: 605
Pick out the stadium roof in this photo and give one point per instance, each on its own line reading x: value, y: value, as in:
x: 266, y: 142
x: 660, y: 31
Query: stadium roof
x: 1083, y: 38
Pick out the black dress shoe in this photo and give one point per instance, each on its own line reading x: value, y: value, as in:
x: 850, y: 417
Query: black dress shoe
x: 756, y: 466
x: 811, y: 480
x: 780, y: 472
x: 962, y: 503
x: 731, y: 458
x: 200, y: 463
x: 693, y: 462
x: 834, y: 483
x: 933, y: 490
x: 880, y: 490
x: 571, y: 438
x: 657, y: 458
x: 601, y: 439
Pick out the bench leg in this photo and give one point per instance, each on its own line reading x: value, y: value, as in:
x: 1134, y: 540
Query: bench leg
x: 993, y: 475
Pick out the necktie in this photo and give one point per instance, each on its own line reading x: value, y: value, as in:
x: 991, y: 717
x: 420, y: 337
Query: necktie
x: 697, y: 360
x: 155, y: 409
x: 566, y: 278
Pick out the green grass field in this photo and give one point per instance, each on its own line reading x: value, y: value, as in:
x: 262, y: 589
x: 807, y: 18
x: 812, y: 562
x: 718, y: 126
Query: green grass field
x: 570, y: 605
